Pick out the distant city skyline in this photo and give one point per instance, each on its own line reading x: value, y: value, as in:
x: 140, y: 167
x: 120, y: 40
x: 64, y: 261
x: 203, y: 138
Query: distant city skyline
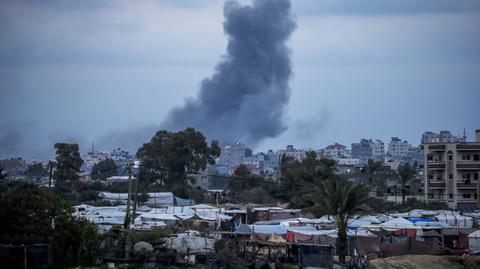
x: 83, y: 72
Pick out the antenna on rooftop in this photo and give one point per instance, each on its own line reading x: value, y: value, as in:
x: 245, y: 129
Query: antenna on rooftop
x: 464, y: 135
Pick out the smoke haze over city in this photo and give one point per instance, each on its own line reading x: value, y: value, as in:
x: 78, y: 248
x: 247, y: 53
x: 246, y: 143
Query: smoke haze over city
x: 326, y: 71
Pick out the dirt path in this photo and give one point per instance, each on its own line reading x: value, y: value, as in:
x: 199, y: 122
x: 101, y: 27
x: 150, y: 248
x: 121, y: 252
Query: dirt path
x: 425, y: 261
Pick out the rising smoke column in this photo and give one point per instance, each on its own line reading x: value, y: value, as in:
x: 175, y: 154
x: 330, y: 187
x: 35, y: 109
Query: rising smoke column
x: 246, y: 97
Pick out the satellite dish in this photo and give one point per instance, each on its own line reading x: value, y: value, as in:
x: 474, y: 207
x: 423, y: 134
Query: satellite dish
x: 143, y: 246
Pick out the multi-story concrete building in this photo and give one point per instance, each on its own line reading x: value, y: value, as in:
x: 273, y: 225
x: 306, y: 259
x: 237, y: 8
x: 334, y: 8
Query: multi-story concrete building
x: 451, y: 171
x: 232, y: 154
x: 378, y: 150
x: 398, y: 148
x: 297, y: 154
x: 336, y: 151
x: 369, y: 149
x: 442, y: 137
x: 362, y: 150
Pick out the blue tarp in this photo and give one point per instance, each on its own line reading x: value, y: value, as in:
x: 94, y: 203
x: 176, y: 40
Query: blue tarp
x: 268, y: 229
x: 415, y: 220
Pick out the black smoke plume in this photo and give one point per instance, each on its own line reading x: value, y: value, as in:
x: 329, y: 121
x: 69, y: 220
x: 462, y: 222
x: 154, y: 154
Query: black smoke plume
x: 245, y: 98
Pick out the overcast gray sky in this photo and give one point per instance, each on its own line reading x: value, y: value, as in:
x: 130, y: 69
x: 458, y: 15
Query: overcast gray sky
x: 80, y: 71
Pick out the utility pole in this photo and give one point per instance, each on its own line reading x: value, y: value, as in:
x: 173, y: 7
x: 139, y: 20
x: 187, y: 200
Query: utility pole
x: 135, y: 202
x: 50, y: 167
x: 127, y: 215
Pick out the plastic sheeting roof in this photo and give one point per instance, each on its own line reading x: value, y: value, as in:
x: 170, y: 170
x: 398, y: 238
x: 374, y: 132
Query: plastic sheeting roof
x: 154, y: 198
x: 268, y: 229
x: 475, y: 234
x: 159, y: 216
x: 357, y: 223
x: 397, y: 223
x: 190, y: 244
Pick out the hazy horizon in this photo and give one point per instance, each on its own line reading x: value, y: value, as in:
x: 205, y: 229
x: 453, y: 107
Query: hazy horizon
x: 89, y: 71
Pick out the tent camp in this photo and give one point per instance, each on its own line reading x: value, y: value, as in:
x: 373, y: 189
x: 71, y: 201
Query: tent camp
x: 455, y: 220
x: 268, y: 229
x: 397, y: 223
x: 155, y: 199
x: 357, y: 223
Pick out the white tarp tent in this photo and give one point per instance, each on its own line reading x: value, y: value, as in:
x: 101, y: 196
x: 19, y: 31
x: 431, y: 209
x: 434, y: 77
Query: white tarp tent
x: 295, y: 222
x: 160, y: 199
x: 397, y: 223
x: 111, y: 196
x: 474, y: 241
x: 357, y: 223
x: 190, y: 244
x: 312, y: 231
x: 155, y: 199
x: 268, y: 229
x: 455, y: 220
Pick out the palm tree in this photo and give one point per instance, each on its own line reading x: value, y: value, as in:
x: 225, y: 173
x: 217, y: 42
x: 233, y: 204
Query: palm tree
x: 370, y: 170
x: 406, y: 174
x: 342, y: 199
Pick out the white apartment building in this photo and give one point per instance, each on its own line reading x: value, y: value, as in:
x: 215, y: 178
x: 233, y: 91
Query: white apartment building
x: 297, y: 154
x: 336, y: 151
x: 398, y: 148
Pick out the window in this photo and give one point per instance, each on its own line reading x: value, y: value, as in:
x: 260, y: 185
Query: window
x: 430, y: 157
x: 476, y: 157
x: 475, y: 176
x: 466, y: 195
x: 475, y: 196
x: 450, y: 195
x: 430, y: 176
x: 465, y: 176
x: 450, y: 157
x: 450, y: 176
x: 466, y: 157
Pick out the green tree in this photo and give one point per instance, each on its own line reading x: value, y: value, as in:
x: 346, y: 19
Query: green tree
x: 33, y: 215
x: 171, y: 156
x: 342, y: 200
x: 242, y: 181
x: 406, y: 174
x: 68, y: 163
x: 35, y: 170
x: 373, y: 179
x: 104, y: 169
x: 299, y: 177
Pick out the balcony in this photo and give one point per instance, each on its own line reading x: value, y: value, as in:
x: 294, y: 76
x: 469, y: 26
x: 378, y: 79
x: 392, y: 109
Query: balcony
x: 440, y: 185
x: 436, y: 165
x: 467, y: 186
x: 436, y: 147
x: 470, y: 146
x: 468, y: 166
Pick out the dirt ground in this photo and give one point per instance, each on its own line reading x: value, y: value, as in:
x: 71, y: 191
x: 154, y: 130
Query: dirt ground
x: 426, y: 261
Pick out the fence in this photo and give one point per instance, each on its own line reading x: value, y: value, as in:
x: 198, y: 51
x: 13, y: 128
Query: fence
x: 24, y: 256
